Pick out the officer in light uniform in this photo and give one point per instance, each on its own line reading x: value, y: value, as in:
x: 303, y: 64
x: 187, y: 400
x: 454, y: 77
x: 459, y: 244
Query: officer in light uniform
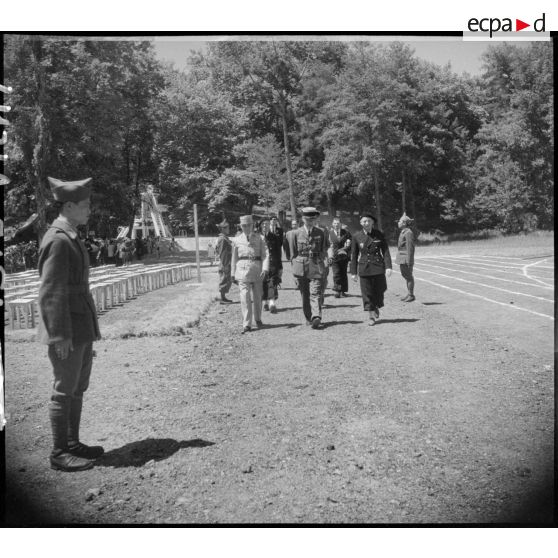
x: 308, y: 250
x: 250, y: 265
x: 370, y: 256
x: 68, y: 323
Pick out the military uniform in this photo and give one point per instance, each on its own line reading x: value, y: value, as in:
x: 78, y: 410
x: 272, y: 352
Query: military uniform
x: 223, y: 250
x: 249, y: 259
x: 67, y: 313
x: 370, y: 257
x: 308, y: 249
x: 406, y: 255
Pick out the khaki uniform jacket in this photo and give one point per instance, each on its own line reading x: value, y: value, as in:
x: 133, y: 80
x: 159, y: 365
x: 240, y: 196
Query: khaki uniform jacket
x: 66, y: 307
x: 308, y: 252
x: 369, y: 253
x: 406, y: 247
x: 249, y: 257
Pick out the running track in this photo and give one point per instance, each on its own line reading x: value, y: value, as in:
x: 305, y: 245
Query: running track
x: 519, y: 284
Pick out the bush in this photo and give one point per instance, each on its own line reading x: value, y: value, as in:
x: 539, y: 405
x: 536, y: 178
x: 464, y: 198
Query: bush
x: 22, y: 256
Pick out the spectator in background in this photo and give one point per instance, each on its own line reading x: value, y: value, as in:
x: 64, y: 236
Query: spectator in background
x: 339, y: 247
x: 274, y: 240
x: 111, y: 251
x: 223, y: 251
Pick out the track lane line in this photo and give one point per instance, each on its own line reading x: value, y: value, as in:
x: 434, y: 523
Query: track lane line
x: 515, y: 273
x: 512, y: 306
x: 488, y: 286
x: 526, y: 267
x: 486, y: 276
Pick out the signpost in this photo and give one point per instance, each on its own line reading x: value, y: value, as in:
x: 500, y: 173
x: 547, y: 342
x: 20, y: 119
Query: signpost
x: 197, y: 241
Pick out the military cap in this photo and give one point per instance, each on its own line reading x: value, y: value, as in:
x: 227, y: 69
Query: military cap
x: 75, y: 191
x: 369, y: 215
x: 310, y: 212
x: 246, y: 220
x: 406, y: 219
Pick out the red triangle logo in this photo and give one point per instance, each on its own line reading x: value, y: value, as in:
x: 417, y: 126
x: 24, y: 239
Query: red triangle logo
x: 519, y: 25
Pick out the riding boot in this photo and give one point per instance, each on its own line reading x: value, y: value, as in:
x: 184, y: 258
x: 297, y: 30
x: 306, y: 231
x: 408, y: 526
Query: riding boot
x: 59, y: 412
x: 74, y: 420
x: 224, y: 299
x: 75, y: 447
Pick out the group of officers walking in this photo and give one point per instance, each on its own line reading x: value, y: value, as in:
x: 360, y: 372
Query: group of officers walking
x: 68, y: 318
x: 253, y: 260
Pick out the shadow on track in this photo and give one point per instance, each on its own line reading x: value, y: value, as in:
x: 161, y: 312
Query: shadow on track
x: 137, y: 454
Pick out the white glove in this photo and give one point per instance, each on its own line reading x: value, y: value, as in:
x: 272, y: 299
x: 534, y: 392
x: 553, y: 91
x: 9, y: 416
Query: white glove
x: 388, y: 272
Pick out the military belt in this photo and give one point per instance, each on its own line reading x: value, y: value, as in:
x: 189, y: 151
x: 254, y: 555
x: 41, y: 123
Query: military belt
x: 251, y: 258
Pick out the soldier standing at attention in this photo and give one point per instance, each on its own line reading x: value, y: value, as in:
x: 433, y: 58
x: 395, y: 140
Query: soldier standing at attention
x: 406, y: 255
x: 308, y: 250
x: 223, y: 250
x: 340, y: 244
x: 250, y: 263
x: 370, y: 255
x: 68, y: 323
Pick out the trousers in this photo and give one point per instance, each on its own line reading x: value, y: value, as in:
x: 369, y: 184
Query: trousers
x: 250, y: 296
x: 340, y: 280
x: 71, y: 380
x: 225, y: 280
x: 373, y: 288
x: 311, y: 292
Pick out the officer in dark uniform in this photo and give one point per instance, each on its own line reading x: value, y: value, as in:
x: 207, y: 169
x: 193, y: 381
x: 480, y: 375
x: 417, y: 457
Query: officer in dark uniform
x: 68, y: 323
x: 308, y: 250
x: 223, y: 250
x: 370, y: 255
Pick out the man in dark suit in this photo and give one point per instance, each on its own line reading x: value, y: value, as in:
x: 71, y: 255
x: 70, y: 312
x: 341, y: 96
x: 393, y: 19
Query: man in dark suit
x: 370, y: 256
x: 68, y: 323
x: 339, y: 247
x: 308, y: 250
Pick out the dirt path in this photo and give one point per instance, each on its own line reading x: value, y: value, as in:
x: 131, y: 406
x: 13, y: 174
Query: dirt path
x: 421, y: 418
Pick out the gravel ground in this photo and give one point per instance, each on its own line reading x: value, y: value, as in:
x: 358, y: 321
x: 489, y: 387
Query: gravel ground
x: 422, y: 418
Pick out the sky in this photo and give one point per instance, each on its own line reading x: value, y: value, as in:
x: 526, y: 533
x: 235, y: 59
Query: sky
x: 463, y: 56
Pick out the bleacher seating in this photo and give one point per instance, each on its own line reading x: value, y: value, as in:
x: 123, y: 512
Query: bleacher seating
x: 109, y: 285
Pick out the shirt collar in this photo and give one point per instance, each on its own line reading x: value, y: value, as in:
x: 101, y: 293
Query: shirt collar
x: 63, y: 224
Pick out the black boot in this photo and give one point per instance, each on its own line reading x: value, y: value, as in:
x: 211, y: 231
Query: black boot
x: 60, y: 458
x: 75, y: 447
x: 224, y: 299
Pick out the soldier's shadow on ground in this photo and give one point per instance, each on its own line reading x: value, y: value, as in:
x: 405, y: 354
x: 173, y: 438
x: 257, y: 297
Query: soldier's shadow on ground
x: 342, y: 322
x: 396, y: 321
x: 273, y: 326
x: 431, y: 303
x: 342, y: 305
x: 137, y: 454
